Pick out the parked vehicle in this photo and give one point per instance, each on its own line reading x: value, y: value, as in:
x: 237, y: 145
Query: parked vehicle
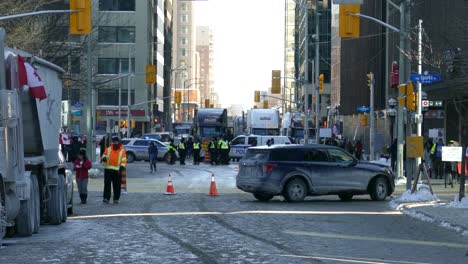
x: 293, y: 126
x: 182, y: 128
x: 160, y: 136
x: 208, y: 123
x: 240, y: 144
x: 34, y: 186
x: 263, y: 122
x: 137, y: 149
x: 296, y: 171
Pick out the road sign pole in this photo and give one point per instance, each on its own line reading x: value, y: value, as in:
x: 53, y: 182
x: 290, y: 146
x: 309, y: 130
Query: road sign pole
x: 371, y: 116
x: 419, y: 98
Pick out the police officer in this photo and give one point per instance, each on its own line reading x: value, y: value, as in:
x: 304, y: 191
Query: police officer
x: 171, y: 149
x: 196, y: 152
x: 182, y: 151
x: 213, y: 149
x: 224, y: 149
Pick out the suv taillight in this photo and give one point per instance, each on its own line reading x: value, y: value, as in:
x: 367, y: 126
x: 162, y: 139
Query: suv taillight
x: 268, y: 167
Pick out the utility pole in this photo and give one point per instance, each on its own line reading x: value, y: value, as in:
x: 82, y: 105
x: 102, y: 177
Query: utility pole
x: 371, y: 116
x: 128, y: 93
x: 306, y: 71
x: 317, y: 73
x: 419, y: 118
x: 89, y: 101
x: 120, y: 94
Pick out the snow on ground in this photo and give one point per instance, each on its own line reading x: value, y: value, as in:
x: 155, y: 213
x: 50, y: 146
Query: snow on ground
x: 459, y: 204
x: 423, y: 195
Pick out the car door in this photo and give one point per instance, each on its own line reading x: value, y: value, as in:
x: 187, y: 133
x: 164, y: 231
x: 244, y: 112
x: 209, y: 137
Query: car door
x: 342, y: 170
x: 162, y: 149
x: 141, y: 149
x: 238, y: 147
x: 318, y: 169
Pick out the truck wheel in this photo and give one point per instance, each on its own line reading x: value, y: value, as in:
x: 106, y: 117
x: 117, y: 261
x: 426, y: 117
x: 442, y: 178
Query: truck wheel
x: 25, y: 219
x: 54, y: 206
x: 64, y: 200
x: 36, y: 204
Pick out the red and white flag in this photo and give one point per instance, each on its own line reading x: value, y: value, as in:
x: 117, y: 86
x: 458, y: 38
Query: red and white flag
x: 28, y: 76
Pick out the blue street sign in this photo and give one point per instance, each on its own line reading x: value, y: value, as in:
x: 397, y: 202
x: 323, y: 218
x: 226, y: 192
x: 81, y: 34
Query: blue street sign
x: 76, y: 112
x: 363, y: 109
x: 427, y: 78
x: 78, y: 104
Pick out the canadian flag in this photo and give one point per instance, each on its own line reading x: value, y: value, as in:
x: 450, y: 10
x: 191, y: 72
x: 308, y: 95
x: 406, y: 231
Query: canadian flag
x: 29, y: 77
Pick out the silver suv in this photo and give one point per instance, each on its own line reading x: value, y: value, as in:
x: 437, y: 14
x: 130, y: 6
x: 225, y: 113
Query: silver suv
x: 137, y: 149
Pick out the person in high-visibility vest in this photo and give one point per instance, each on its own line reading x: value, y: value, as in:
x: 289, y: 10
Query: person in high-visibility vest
x: 213, y: 149
x: 181, y: 148
x: 171, y: 152
x: 115, y: 160
x: 224, y: 149
x: 196, y: 152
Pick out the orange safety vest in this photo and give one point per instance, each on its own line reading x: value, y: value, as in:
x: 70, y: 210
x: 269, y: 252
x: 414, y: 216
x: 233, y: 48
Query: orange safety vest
x: 115, y: 158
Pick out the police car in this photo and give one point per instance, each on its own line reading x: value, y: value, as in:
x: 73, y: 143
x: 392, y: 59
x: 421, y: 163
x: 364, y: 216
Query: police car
x: 137, y: 149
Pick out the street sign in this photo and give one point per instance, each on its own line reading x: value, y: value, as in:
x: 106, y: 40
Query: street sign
x: 426, y: 78
x: 363, y: 109
x: 425, y: 103
x: 414, y: 147
x: 348, y: 2
x: 78, y: 104
x: 76, y: 112
x: 452, y: 154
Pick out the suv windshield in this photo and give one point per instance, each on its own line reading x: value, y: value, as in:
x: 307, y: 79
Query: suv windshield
x: 257, y: 154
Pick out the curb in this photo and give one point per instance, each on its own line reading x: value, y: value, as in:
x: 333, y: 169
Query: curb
x: 422, y: 216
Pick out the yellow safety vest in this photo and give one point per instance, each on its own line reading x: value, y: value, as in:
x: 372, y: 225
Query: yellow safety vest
x: 224, y: 144
x: 196, y: 145
x: 181, y: 146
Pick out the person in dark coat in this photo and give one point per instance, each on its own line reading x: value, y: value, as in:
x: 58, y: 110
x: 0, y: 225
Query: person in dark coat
x: 104, y: 143
x: 393, y: 153
x: 182, y: 149
x: 153, y: 156
x: 189, y: 146
x: 196, y: 152
x: 358, y: 150
x: 213, y: 149
x: 75, y: 146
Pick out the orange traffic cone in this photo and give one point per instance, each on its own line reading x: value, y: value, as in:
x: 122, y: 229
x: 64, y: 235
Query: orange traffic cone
x: 170, y: 187
x: 213, y: 190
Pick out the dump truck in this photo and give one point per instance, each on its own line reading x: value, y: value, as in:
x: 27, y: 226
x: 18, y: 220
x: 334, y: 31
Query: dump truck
x: 34, y: 185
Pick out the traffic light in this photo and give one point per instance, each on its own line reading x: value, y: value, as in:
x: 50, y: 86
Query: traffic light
x: 80, y: 21
x: 178, y: 97
x: 123, y: 124
x: 265, y: 104
x: 321, y: 80
x: 349, y: 24
x: 370, y: 79
x: 150, y: 74
x: 275, y: 82
x: 257, y: 97
x: 409, y: 98
x: 207, y: 103
x: 363, y: 120
x: 155, y: 120
x: 133, y: 123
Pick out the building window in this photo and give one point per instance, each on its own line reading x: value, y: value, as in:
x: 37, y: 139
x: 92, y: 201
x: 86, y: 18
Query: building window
x: 111, y: 97
x: 184, y: 18
x: 117, y: 34
x: 184, y: 41
x: 184, y: 53
x: 111, y: 65
x: 184, y: 7
x: 116, y: 5
x: 184, y: 30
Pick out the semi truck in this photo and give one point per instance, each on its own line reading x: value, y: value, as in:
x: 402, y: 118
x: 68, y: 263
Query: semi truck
x: 34, y: 185
x: 263, y: 122
x: 293, y: 126
x: 208, y: 123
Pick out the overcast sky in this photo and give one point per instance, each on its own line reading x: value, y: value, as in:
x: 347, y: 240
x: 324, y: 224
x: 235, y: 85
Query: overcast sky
x: 248, y: 43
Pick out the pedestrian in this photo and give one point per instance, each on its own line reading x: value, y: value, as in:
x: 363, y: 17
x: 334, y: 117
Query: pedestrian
x: 81, y: 166
x: 213, y: 149
x: 350, y: 147
x: 171, y: 152
x: 189, y: 147
x: 437, y: 164
x: 153, y: 156
x: 393, y: 154
x: 75, y: 148
x: 115, y: 160
x: 104, y: 143
x: 358, y: 150
x: 182, y: 149
x: 272, y: 141
x: 196, y: 152
x: 451, y: 172
x: 66, y: 147
x: 427, y: 157
x: 268, y: 142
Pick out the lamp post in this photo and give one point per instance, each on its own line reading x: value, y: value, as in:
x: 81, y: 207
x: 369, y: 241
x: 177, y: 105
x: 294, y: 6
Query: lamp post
x: 188, y: 99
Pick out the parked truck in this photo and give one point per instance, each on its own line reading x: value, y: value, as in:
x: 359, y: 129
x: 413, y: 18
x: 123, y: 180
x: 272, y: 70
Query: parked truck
x: 263, y: 122
x: 34, y: 187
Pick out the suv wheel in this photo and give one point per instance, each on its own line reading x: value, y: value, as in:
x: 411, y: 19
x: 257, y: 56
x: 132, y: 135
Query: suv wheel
x: 346, y: 196
x: 130, y: 157
x: 379, y: 189
x: 263, y: 197
x: 295, y: 190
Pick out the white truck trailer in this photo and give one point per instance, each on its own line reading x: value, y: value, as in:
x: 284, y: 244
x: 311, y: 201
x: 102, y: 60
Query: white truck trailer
x: 34, y: 187
x: 263, y: 122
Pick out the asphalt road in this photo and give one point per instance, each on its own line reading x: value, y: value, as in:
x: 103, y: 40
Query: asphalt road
x: 191, y: 227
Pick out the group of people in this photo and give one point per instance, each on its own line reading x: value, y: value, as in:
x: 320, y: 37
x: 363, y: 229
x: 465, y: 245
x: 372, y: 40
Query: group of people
x: 189, y: 148
x: 442, y: 170
x: 219, y: 150
x: 71, y: 145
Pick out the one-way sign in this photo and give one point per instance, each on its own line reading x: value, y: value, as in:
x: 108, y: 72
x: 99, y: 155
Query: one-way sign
x: 426, y: 78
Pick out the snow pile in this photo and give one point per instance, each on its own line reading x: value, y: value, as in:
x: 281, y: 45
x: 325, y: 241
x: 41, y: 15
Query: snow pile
x: 400, y: 181
x: 423, y: 195
x: 94, y: 173
x: 459, y: 204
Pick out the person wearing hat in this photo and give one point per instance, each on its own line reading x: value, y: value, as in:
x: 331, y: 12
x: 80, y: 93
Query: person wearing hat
x: 81, y: 166
x: 115, y: 160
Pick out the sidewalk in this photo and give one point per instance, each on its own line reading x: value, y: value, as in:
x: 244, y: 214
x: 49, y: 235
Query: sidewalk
x: 439, y: 208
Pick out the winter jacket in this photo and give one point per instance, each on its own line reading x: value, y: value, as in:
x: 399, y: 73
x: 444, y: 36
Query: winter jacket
x: 81, y: 168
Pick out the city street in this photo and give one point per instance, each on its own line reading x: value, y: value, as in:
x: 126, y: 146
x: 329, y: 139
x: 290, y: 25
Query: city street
x: 191, y: 227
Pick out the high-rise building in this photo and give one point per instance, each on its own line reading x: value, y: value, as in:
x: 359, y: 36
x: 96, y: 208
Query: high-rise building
x: 184, y: 58
x: 168, y: 82
x: 289, y: 82
x: 205, y: 52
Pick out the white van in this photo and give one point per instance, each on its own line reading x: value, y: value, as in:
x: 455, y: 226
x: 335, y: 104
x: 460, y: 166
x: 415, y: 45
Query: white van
x: 240, y: 144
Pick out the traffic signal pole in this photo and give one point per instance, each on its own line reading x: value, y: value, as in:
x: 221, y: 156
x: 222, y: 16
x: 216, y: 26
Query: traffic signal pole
x: 306, y: 79
x: 317, y: 73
